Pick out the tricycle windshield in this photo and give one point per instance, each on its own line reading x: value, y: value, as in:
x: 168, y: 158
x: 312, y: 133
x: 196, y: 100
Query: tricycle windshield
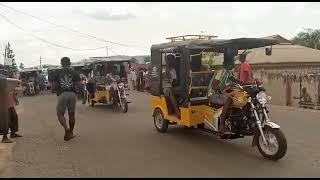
x: 101, y: 69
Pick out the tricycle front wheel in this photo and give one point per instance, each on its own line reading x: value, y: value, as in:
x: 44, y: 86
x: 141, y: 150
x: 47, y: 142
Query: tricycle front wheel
x: 276, y: 146
x: 124, y: 105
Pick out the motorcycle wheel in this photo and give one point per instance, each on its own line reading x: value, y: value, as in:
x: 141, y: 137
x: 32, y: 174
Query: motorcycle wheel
x: 124, y: 105
x: 200, y: 126
x: 92, y: 104
x: 277, y: 144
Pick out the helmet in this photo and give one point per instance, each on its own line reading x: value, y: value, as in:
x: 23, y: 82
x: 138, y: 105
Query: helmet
x: 239, y: 98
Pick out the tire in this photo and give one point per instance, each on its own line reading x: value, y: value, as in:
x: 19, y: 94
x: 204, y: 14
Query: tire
x: 92, y: 104
x: 282, y: 144
x: 124, y: 105
x: 159, y: 122
x: 88, y: 99
x: 187, y: 127
x: 200, y: 126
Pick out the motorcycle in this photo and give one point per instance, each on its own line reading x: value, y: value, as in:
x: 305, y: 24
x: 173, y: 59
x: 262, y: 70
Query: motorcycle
x: 29, y: 88
x: 122, y: 96
x: 249, y: 117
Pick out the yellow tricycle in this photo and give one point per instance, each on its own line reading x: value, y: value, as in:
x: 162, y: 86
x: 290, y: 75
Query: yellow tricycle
x: 191, y: 92
x: 99, y: 90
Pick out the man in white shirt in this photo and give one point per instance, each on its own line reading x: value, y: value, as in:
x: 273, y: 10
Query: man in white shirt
x: 169, y: 76
x: 133, y: 77
x: 84, y: 82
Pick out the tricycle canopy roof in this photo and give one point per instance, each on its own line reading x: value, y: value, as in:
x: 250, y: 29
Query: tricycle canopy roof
x: 54, y: 68
x: 107, y: 59
x: 219, y: 44
x: 30, y: 70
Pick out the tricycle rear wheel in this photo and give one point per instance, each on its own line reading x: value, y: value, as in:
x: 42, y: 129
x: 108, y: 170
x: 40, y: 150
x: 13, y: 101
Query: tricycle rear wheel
x: 200, y: 126
x: 92, y: 104
x: 160, y: 123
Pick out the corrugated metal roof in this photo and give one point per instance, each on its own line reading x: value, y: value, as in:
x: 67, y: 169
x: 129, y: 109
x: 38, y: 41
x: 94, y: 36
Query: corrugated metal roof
x: 282, y: 53
x: 29, y: 69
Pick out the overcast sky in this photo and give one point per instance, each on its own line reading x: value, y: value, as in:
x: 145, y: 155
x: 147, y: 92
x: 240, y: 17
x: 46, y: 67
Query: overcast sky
x: 142, y: 24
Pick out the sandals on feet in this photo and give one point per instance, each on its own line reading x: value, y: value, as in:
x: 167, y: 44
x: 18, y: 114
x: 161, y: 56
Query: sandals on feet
x: 6, y: 140
x: 15, y: 135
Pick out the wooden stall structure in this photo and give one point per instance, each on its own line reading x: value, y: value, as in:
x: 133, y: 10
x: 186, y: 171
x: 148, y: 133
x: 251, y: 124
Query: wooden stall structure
x: 310, y: 76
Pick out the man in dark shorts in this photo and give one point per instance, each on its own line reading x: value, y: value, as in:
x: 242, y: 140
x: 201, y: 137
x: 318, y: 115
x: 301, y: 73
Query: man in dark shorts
x: 67, y: 83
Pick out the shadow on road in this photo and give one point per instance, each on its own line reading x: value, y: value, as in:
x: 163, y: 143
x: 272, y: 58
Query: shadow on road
x: 206, y: 142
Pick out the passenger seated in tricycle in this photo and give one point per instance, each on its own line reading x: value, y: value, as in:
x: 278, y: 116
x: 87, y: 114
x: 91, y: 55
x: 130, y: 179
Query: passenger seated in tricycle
x: 169, y: 77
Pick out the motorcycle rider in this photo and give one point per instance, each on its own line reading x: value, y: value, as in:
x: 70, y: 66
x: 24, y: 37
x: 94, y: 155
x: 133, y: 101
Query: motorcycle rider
x: 169, y: 77
x: 221, y: 82
x: 111, y: 79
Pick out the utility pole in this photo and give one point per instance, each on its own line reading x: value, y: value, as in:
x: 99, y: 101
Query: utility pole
x: 5, y: 55
x: 40, y: 62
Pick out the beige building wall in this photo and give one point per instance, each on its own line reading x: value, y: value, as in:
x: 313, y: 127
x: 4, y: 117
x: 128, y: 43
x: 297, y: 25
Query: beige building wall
x: 277, y: 90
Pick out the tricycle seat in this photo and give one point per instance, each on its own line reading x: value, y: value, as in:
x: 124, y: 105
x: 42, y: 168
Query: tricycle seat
x: 199, y: 101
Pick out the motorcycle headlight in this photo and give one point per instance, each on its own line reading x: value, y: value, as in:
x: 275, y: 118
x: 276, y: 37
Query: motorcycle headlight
x: 120, y: 85
x: 263, y: 98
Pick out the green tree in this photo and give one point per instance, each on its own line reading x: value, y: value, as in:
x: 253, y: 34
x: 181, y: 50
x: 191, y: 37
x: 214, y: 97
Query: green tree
x: 309, y: 38
x: 134, y: 60
x: 10, y: 56
x: 21, y: 66
x: 209, y: 58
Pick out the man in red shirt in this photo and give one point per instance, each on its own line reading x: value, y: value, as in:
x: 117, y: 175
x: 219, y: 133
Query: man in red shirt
x: 245, y: 73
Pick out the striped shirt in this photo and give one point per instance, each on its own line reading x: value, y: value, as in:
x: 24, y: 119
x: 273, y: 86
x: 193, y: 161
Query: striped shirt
x: 224, y: 79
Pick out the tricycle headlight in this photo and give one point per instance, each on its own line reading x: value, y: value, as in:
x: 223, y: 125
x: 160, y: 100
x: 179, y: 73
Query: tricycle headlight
x: 263, y: 98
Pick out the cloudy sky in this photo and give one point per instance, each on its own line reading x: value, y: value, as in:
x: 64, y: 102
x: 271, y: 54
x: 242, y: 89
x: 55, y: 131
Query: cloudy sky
x: 139, y: 25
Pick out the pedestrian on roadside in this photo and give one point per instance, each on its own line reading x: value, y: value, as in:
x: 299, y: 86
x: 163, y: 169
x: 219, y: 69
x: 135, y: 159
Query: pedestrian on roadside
x: 13, y: 116
x: 67, y: 83
x: 5, y: 124
x: 140, y: 82
x: 245, y: 73
x: 305, y: 96
x: 133, y: 77
x: 83, y: 89
x: 11, y: 101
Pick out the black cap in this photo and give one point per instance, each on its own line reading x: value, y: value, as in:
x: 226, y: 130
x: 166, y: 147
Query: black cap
x: 243, y: 56
x: 65, y: 61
